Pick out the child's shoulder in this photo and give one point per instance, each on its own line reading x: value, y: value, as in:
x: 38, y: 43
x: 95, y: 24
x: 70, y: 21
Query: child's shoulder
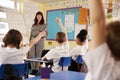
x: 103, y: 48
x: 101, y: 52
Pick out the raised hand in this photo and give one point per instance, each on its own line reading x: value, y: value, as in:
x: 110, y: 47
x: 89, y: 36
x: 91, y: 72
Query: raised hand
x: 58, y: 20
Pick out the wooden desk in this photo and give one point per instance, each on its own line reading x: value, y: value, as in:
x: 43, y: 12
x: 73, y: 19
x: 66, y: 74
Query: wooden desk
x: 63, y: 75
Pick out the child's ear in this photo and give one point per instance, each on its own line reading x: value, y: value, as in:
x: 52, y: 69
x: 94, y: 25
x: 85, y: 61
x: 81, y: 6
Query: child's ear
x: 65, y: 39
x: 56, y: 40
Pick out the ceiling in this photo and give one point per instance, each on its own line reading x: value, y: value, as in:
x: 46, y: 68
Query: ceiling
x: 47, y: 1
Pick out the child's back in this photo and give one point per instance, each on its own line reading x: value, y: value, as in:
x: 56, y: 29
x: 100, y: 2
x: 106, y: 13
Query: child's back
x: 61, y: 50
x: 103, y: 61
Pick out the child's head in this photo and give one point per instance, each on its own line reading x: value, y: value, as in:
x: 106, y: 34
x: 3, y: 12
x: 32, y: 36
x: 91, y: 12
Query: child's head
x: 113, y: 38
x: 81, y: 37
x: 13, y: 37
x: 60, y: 37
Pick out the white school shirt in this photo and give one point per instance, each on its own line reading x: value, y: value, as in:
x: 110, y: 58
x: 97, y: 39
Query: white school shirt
x: 101, y: 65
x: 12, y: 55
x: 79, y: 50
x: 55, y: 54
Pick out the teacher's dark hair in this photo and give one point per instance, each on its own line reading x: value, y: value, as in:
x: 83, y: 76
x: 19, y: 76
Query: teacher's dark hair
x: 36, y: 20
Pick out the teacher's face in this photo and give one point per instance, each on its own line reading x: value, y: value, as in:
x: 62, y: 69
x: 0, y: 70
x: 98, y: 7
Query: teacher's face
x: 39, y: 17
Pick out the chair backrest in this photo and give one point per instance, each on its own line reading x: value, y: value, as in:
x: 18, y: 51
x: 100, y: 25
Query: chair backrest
x: 21, y: 68
x: 18, y: 69
x: 65, y: 61
x: 79, y: 59
x: 2, y: 71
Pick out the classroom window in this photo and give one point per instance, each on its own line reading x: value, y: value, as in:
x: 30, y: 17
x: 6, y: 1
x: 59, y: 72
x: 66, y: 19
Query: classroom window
x: 1, y: 38
x: 9, y: 4
x: 17, y: 5
x: 3, y: 28
x: 3, y: 23
x: 3, y: 15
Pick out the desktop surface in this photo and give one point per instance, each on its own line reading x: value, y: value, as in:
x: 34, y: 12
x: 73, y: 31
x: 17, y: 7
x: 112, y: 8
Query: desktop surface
x: 63, y: 75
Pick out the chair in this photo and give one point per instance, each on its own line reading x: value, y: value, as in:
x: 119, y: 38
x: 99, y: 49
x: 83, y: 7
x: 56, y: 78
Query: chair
x: 18, y: 69
x: 2, y: 71
x: 64, y: 61
x: 22, y: 69
x: 79, y: 60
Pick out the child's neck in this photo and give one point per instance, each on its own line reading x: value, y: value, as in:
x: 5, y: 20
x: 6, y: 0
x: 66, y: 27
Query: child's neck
x: 11, y: 46
x: 60, y: 44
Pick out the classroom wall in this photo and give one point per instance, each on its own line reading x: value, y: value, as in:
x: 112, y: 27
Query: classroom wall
x: 52, y: 6
x: 62, y: 4
x: 28, y: 6
x: 115, y: 14
x: 59, y: 5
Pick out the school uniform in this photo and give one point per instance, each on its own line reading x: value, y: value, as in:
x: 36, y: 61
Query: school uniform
x: 55, y: 55
x: 79, y: 50
x: 101, y: 65
x: 13, y: 55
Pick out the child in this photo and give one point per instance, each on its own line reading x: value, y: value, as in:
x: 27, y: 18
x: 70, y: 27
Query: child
x: 81, y: 41
x: 12, y: 53
x: 61, y: 50
x: 103, y: 61
x: 82, y: 44
x: 81, y: 49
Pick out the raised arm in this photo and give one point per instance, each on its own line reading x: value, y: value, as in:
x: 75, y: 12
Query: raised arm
x: 58, y: 20
x: 36, y: 39
x: 88, y: 21
x: 98, y: 22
